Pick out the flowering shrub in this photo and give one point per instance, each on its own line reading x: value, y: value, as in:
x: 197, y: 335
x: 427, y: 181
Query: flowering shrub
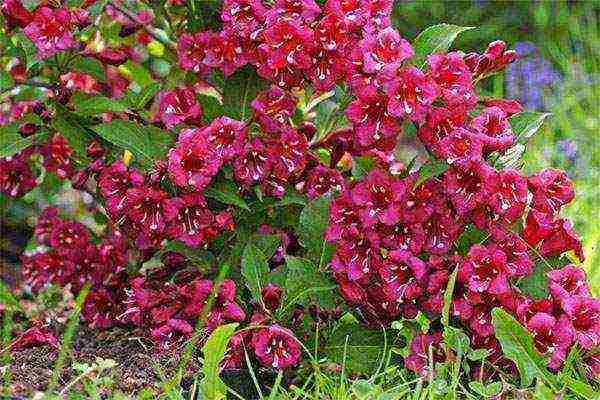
x: 270, y: 147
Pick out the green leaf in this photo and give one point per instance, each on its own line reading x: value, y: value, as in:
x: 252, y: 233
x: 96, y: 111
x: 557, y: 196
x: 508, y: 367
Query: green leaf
x: 11, y: 142
x: 77, y: 136
x: 227, y: 193
x: 362, y: 347
x: 581, y: 388
x: 478, y: 355
x: 526, y: 124
x: 239, y: 90
x: 489, y: 390
x: 89, y: 66
x: 304, y: 283
x: 432, y: 168
x: 146, y: 143
x: 312, y: 223
x: 362, y: 166
x: 267, y: 244
x: 448, y: 296
x: 98, y: 105
x: 6, y: 80
x: 137, y: 72
x: 254, y: 269
x: 457, y: 340
x: 8, y: 299
x: 214, y: 350
x: 139, y: 100
x: 536, y: 283
x: 512, y: 158
x: 435, y: 39
x: 517, y: 344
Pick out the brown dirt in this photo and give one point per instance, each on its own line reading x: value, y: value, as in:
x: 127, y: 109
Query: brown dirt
x: 32, y: 368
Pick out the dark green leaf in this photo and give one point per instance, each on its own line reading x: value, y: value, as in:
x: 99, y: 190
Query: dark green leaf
x: 313, y: 221
x: 98, y: 105
x: 435, y: 39
x: 6, y: 81
x: 77, y: 136
x: 536, y: 283
x: 214, y: 350
x: 362, y: 166
x: 146, y: 143
x: 227, y: 193
x: 304, y: 283
x: 139, y: 100
x: 432, y: 168
x: 239, y: 90
x: 267, y: 244
x: 362, y: 347
x: 254, y: 269
x: 89, y: 66
x: 517, y: 344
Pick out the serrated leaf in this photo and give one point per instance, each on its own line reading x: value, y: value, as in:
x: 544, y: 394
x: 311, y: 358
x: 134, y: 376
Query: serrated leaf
x: 435, y: 39
x: 97, y: 105
x: 254, y: 269
x: 139, y: 100
x: 362, y: 347
x: 146, y: 143
x: 226, y: 192
x: 517, y: 344
x: 77, y: 136
x: 312, y: 223
x: 432, y: 168
x: 214, y: 350
x: 526, y: 124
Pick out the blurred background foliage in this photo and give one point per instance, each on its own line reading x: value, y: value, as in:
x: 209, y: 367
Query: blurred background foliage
x: 559, y: 45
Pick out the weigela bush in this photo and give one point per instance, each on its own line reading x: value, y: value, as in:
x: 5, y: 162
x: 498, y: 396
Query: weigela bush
x: 201, y: 144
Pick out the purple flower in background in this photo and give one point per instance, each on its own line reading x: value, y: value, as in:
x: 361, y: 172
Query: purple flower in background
x: 530, y: 77
x: 568, y: 148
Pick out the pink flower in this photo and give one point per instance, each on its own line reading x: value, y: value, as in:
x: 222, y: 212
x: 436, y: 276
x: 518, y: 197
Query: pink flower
x: 276, y: 347
x: 411, y: 93
x: 403, y: 276
x: 254, y: 165
x: 16, y: 176
x: 384, y: 51
x: 271, y: 296
x: 245, y: 16
x: 69, y: 239
x: 224, y: 50
x: 377, y: 198
x: 227, y: 137
x: 461, y: 147
x: 45, y: 223
x: 485, y: 270
x: 194, y: 161
x: 494, y: 59
x: 178, y: 106
x: 551, y: 190
x: 50, y: 31
x: 191, y: 52
x: 583, y: 314
x: 453, y: 77
x: 15, y: 14
x: 306, y: 10
x: 506, y: 193
x: 322, y: 179
x: 273, y: 109
x: 552, y: 336
x: 495, y: 130
x: 372, y: 122
x: 57, y: 156
x: 420, y: 346
x: 439, y: 122
x: 114, y: 181
x: 568, y: 281
x: 194, y: 223
x: 288, y: 155
x: 79, y: 81
x: 286, y: 43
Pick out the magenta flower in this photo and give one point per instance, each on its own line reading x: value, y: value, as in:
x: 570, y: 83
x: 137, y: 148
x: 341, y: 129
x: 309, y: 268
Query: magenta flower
x: 568, y: 281
x: 551, y: 336
x: 16, y: 176
x: 276, y: 347
x: 403, y: 276
x: 551, y: 190
x: 273, y: 109
x: 194, y: 161
x: 420, y: 347
x: 114, y: 181
x: 322, y: 180
x: 583, y: 314
x: 254, y: 165
x: 194, y: 223
x: 57, y: 156
x: 178, y: 106
x: 465, y: 186
x: 15, y: 14
x: 485, y: 270
x: 50, y: 30
x: 358, y: 258
x: 377, y: 198
x: 306, y: 10
x: 495, y: 130
x: 506, y: 193
x: 452, y: 75
x: 244, y: 16
x: 461, y: 147
x: 411, y: 93
x: 227, y: 136
x: 69, y: 239
x: 439, y: 122
x: 384, y: 51
x: 271, y: 296
x: 191, y: 52
x: 372, y: 122
x: 288, y: 155
x: 286, y: 43
x: 224, y: 51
